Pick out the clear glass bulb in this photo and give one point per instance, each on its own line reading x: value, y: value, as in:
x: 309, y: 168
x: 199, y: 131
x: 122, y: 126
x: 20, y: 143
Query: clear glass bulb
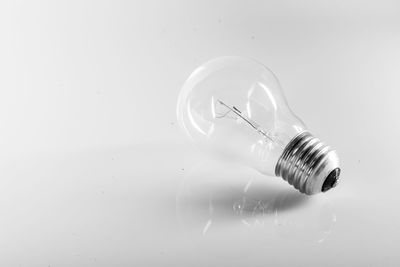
x: 234, y: 107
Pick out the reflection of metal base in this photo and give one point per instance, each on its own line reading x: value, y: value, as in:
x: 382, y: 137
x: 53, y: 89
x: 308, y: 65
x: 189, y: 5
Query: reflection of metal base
x: 309, y: 165
x: 311, y: 223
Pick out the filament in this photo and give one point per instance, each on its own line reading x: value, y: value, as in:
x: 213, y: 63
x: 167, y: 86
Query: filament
x: 253, y: 124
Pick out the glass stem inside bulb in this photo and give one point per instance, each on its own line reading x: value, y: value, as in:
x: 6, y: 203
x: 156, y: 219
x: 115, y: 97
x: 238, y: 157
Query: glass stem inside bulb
x: 238, y: 114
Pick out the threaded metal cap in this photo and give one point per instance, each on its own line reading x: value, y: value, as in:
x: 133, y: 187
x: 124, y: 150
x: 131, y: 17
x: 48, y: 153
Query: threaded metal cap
x: 309, y: 165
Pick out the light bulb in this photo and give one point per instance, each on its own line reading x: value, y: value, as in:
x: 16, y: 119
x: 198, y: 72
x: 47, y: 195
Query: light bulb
x: 234, y: 107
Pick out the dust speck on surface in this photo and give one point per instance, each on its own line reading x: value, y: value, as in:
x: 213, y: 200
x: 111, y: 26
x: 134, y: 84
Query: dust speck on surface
x: 253, y: 37
x: 219, y: 21
x: 172, y: 123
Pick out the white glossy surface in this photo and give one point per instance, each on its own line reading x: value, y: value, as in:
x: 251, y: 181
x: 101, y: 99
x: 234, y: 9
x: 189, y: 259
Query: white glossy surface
x: 93, y: 168
x: 143, y: 206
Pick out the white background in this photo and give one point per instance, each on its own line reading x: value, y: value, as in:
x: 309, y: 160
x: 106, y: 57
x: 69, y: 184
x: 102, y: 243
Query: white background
x: 95, y: 172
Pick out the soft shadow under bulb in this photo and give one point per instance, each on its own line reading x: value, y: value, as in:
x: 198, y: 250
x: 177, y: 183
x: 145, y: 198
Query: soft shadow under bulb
x: 234, y: 107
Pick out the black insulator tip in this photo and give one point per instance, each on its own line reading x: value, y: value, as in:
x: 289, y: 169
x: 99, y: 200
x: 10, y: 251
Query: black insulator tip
x: 331, y: 180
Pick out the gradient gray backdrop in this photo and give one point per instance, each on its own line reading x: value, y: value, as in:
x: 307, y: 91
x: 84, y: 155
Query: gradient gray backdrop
x: 95, y: 172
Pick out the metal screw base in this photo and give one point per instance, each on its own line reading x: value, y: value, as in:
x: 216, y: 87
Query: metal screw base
x: 309, y: 165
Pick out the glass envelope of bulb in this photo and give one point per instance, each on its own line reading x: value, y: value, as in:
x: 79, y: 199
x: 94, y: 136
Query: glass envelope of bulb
x: 234, y: 108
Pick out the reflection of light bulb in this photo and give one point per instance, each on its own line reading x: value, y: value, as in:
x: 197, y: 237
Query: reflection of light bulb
x: 213, y: 198
x: 314, y: 222
x: 234, y: 107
